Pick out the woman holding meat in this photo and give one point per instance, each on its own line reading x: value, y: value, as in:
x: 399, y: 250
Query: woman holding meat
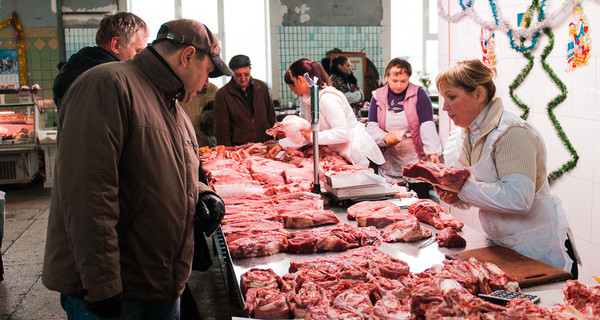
x: 507, y: 160
x: 401, y: 123
x: 338, y: 127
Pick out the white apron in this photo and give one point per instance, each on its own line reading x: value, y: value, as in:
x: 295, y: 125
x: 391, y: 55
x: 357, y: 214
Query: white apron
x: 540, y: 233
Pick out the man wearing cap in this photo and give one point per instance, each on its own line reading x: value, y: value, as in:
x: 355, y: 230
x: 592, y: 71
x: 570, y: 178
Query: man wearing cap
x: 243, y: 107
x: 127, y: 196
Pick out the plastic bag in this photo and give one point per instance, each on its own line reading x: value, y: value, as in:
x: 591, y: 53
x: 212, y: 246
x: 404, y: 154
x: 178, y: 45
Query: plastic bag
x: 293, y: 127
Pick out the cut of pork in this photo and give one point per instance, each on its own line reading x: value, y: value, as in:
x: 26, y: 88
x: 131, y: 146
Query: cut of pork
x: 432, y: 213
x: 449, y: 238
x: 408, y: 230
x: 435, y: 173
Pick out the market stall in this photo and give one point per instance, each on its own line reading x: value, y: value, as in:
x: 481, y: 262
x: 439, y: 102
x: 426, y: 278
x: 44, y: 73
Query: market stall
x: 258, y: 192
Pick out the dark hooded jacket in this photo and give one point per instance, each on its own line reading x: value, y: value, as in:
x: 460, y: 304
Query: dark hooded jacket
x: 79, y: 62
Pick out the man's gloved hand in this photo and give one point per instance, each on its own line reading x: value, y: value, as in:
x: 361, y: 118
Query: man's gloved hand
x: 109, y: 308
x: 210, y: 210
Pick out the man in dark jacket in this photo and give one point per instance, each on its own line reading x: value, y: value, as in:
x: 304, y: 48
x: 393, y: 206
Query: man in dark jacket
x: 120, y: 36
x: 120, y: 235
x: 243, y: 107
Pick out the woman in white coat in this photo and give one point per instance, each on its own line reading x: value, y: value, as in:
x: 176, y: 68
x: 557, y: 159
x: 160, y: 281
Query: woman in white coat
x: 507, y: 160
x: 338, y: 127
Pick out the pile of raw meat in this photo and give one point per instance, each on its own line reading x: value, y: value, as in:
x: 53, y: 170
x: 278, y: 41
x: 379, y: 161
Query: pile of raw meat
x: 366, y: 283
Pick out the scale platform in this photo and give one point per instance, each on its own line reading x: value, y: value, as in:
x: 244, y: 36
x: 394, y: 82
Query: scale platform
x: 361, y: 185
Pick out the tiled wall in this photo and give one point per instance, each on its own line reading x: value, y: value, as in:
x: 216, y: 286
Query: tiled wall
x: 579, y: 114
x: 41, y: 57
x: 313, y: 42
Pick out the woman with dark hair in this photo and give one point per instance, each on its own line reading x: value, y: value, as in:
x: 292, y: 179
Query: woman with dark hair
x: 343, y: 80
x: 401, y: 122
x: 338, y: 127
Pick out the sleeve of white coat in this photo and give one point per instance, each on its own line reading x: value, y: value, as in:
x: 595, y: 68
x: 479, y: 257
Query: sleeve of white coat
x: 431, y: 140
x: 331, y: 109
x: 353, y: 97
x: 513, y: 194
x: 376, y: 133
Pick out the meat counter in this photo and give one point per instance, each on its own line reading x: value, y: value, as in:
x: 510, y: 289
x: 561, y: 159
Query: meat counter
x: 418, y: 258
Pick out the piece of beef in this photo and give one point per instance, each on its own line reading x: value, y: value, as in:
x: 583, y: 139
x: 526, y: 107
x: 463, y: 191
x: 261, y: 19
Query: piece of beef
x: 258, y: 245
x: 408, y: 230
x: 432, y: 213
x: 435, y: 173
x: 308, y: 218
x: 450, y: 239
x: 309, y: 295
x: 259, y: 278
x: 267, y: 303
x: 369, y: 207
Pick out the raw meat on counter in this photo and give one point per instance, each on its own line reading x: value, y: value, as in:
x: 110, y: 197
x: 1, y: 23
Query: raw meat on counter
x: 435, y: 173
x: 267, y: 303
x: 408, y: 230
x: 265, y: 244
x: 449, y: 238
x: 260, y: 278
x: 378, y: 214
x: 586, y: 300
x: 432, y: 213
x: 308, y: 218
x: 339, y: 238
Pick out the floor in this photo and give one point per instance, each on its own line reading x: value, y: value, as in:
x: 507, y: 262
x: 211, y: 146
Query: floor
x: 22, y: 295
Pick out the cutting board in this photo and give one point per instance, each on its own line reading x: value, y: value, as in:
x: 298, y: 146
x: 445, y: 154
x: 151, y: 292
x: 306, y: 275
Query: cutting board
x: 529, y: 272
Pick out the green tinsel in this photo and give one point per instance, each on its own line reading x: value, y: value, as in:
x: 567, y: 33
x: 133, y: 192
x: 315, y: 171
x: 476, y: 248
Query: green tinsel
x: 569, y: 165
x: 517, y: 82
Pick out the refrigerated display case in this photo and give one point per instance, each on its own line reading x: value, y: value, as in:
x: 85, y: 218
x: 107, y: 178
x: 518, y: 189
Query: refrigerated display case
x: 18, y: 145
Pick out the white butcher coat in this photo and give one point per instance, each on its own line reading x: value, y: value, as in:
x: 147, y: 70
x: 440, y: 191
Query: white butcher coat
x: 339, y: 129
x: 538, y: 231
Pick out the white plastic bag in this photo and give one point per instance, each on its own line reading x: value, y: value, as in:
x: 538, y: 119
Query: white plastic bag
x: 293, y: 126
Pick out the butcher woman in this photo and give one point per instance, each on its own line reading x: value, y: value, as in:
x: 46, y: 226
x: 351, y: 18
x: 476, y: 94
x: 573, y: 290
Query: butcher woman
x: 507, y: 160
x: 338, y: 127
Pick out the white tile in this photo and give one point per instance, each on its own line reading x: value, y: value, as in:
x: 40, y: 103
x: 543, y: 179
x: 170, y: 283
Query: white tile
x: 596, y: 146
x: 580, y: 208
x: 592, y: 266
x: 586, y: 255
x: 579, y: 136
x: 596, y: 215
x: 562, y: 189
x: 584, y: 91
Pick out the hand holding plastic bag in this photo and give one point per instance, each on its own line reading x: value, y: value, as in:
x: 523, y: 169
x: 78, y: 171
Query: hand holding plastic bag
x: 294, y: 126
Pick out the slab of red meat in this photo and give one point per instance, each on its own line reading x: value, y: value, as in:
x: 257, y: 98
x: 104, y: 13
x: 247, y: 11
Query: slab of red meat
x: 450, y: 239
x: 339, y: 238
x: 390, y: 307
x: 385, y: 286
x: 435, y: 173
x: 248, y: 216
x: 430, y: 303
x: 432, y: 213
x: 228, y: 176
x: 239, y: 189
x: 325, y: 311
x: 408, y: 230
x: 276, y: 131
x: 370, y: 207
x: 258, y: 245
x: 259, y: 278
x: 382, y: 219
x: 267, y: 171
x: 309, y: 295
x: 236, y: 230
x: 585, y: 299
x: 267, y: 303
x: 324, y: 277
x: 354, y: 302
x: 308, y: 218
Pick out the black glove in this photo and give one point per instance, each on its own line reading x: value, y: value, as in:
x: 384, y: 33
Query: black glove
x: 210, y: 210
x: 109, y: 308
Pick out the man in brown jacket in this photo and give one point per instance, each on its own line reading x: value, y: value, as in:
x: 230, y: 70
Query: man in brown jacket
x: 243, y: 107
x: 126, y: 197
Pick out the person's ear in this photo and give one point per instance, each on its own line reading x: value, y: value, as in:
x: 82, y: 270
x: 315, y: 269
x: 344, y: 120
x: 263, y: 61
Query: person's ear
x: 115, y: 45
x: 187, y: 55
x: 480, y: 94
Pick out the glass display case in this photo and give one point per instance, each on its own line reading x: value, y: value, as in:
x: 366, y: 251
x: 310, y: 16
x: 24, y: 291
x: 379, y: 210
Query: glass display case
x: 18, y: 146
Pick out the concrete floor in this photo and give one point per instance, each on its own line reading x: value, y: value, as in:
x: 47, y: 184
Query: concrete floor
x: 22, y: 295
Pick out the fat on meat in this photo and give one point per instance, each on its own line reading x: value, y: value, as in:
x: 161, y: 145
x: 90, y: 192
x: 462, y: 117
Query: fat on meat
x: 259, y: 278
x: 432, y: 213
x: 267, y: 303
x: 308, y: 218
x: 258, y: 245
x: 408, y: 230
x: 293, y: 126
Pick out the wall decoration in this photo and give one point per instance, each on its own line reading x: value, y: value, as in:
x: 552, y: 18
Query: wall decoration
x: 15, y: 22
x: 487, y: 39
x: 9, y: 69
x: 530, y: 31
x: 580, y: 42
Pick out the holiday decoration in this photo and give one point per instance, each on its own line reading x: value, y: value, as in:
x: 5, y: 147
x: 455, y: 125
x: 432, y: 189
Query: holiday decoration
x: 579, y: 45
x: 16, y: 24
x: 488, y: 47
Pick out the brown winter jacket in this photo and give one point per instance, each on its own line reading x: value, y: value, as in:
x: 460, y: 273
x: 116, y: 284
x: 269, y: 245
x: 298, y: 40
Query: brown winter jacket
x: 234, y: 125
x: 126, y: 185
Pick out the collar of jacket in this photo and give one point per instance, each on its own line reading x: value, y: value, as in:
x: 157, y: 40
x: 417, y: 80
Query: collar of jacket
x: 471, y: 155
x: 159, y: 72
x: 237, y: 86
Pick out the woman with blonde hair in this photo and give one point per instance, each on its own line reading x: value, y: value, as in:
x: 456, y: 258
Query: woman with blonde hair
x: 507, y: 160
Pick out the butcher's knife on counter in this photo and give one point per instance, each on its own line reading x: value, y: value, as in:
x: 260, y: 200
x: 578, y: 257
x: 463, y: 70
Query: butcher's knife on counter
x: 314, y: 126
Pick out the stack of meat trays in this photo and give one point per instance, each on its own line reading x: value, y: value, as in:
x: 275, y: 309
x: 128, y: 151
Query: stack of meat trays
x: 360, y: 185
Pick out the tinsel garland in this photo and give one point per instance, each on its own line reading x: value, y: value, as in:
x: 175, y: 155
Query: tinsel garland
x: 16, y: 23
x: 525, y: 71
x: 569, y: 165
